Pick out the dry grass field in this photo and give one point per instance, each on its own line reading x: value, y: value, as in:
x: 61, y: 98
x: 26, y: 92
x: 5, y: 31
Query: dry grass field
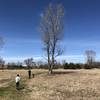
x: 62, y: 85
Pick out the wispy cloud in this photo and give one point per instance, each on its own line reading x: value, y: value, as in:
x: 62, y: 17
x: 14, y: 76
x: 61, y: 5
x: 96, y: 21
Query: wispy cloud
x: 69, y: 58
x: 16, y: 59
x: 84, y: 43
x: 72, y: 58
x: 22, y: 40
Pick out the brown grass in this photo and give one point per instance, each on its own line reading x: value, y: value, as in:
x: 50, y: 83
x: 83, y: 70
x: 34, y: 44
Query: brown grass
x: 62, y: 85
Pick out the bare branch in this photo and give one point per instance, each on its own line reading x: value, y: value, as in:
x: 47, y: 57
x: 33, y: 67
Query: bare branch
x: 90, y: 54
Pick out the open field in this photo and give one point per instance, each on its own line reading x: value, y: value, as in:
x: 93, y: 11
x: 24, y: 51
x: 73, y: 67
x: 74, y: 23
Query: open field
x: 62, y: 85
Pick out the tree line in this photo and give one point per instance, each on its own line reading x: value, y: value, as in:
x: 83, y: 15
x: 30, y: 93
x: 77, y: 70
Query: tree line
x: 31, y: 64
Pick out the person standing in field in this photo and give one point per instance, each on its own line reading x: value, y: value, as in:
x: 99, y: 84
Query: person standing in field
x: 29, y: 73
x: 17, y: 79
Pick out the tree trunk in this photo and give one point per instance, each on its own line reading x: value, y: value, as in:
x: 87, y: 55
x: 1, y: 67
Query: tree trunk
x: 50, y: 70
x: 53, y: 58
x: 49, y: 61
x: 2, y: 67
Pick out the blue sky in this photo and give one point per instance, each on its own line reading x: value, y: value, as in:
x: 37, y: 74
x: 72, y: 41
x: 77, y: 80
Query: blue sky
x: 19, y: 22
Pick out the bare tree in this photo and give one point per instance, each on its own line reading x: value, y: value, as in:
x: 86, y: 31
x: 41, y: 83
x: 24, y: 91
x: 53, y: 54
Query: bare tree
x: 2, y: 63
x: 29, y: 62
x: 39, y: 63
x: 52, y: 28
x: 90, y: 54
x: 19, y: 63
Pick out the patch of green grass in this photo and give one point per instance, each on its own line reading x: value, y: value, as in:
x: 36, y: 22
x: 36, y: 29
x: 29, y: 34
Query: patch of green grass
x: 11, y: 93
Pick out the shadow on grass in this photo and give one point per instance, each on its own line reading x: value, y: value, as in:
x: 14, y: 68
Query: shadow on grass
x: 63, y: 72
x: 4, y: 80
x: 20, y: 88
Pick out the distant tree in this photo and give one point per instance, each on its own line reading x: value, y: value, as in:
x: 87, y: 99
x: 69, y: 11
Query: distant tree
x: 63, y: 62
x: 19, y: 63
x: 90, y: 54
x: 97, y: 64
x: 66, y: 65
x: 58, y: 65
x: 29, y: 62
x: 39, y: 63
x: 72, y: 66
x: 79, y: 66
x: 52, y: 28
x: 2, y: 63
x: 11, y: 65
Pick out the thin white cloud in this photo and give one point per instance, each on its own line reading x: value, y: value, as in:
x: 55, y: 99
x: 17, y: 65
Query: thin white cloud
x: 16, y: 59
x: 72, y: 58
x: 69, y: 58
x: 22, y: 41
x: 83, y: 43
